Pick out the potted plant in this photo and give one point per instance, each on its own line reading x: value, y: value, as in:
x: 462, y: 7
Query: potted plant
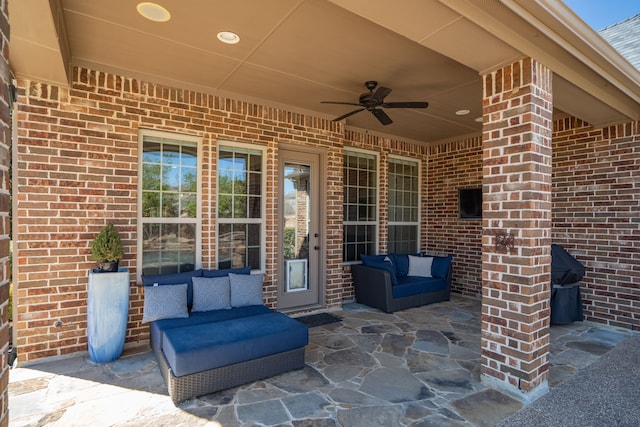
x: 107, y: 249
x: 107, y: 298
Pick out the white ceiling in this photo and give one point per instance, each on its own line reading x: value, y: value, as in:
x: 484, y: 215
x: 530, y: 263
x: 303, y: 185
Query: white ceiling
x: 296, y: 53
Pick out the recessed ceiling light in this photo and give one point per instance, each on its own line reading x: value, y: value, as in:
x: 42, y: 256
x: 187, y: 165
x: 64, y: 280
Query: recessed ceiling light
x: 462, y: 112
x: 478, y: 119
x: 228, y: 37
x: 153, y: 12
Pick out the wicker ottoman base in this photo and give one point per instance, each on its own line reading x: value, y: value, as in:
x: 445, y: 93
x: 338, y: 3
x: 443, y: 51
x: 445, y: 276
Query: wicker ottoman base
x: 212, y: 380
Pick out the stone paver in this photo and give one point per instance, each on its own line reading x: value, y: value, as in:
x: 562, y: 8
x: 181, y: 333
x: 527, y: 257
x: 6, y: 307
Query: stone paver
x: 417, y: 367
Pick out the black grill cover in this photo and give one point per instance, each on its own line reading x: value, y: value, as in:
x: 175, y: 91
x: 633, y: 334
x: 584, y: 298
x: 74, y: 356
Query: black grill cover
x: 565, y: 269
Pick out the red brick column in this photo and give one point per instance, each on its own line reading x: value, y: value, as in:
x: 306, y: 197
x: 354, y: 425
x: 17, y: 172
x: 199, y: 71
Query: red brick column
x: 516, y: 241
x: 5, y: 224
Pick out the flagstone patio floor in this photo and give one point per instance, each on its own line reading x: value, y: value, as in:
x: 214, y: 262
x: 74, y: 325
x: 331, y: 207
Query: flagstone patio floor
x: 417, y: 367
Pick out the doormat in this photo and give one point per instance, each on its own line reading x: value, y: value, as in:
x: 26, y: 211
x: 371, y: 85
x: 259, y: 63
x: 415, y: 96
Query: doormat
x: 319, y: 319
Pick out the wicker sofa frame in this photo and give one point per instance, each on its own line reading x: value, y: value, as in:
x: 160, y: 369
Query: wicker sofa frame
x: 212, y: 380
x: 373, y: 288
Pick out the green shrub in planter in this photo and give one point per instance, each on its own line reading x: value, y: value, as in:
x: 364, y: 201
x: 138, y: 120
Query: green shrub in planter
x: 106, y: 249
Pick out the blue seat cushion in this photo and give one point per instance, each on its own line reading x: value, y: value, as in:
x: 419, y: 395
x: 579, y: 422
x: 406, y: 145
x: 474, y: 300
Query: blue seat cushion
x: 199, y: 348
x: 414, y: 285
x: 201, y: 317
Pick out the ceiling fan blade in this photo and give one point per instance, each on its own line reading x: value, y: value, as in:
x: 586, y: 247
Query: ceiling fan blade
x: 340, y: 103
x: 380, y: 94
x: 382, y: 116
x: 344, y: 116
x: 410, y: 104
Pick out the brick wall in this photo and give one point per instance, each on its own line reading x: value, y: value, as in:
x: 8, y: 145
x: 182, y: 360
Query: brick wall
x: 517, y: 135
x: 77, y: 168
x: 451, y: 166
x: 5, y: 207
x: 596, y: 215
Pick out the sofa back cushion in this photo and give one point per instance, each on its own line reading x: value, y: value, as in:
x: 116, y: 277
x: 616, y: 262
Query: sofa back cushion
x: 440, y: 266
x: 225, y: 272
x: 382, y: 262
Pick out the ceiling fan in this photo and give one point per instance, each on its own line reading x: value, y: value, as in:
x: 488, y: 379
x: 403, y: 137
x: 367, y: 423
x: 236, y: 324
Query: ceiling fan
x: 374, y: 102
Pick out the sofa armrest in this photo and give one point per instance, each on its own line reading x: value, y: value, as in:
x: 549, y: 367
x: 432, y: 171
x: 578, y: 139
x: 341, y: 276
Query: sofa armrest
x: 372, y: 286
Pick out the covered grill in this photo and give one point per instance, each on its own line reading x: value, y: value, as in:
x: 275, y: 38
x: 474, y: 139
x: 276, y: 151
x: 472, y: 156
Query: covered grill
x: 566, y: 273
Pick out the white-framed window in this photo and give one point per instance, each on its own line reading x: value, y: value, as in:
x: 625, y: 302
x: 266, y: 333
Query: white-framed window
x: 241, y: 206
x: 404, y: 217
x: 360, y: 226
x: 168, y: 203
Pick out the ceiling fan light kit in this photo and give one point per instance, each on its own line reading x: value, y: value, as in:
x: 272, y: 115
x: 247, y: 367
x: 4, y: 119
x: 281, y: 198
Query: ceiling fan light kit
x: 374, y: 102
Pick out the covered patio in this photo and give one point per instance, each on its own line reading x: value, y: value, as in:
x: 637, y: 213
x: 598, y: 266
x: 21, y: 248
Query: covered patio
x: 416, y: 367
x: 526, y: 104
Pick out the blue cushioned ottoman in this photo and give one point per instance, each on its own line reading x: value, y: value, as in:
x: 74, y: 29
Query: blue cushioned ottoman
x: 158, y: 327
x: 198, y: 348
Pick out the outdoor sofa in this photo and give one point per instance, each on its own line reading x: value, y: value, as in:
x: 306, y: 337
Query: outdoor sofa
x: 210, y: 331
x: 395, y: 282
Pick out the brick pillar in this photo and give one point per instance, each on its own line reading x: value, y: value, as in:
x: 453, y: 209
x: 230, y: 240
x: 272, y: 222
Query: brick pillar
x: 5, y: 222
x: 516, y: 252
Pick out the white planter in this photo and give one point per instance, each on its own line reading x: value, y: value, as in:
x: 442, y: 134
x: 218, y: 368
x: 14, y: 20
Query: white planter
x: 107, y: 314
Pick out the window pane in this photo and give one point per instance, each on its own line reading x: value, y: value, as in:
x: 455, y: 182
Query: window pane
x: 403, y: 206
x: 150, y: 204
x: 224, y: 206
x: 255, y: 184
x: 170, y: 206
x: 188, y: 180
x: 169, y: 190
x: 151, y: 176
x: 254, y: 207
x: 239, y: 199
x: 188, y: 206
x: 358, y: 239
x: 239, y: 246
x: 360, y: 202
x: 403, y: 239
x: 168, y: 248
x: 240, y: 207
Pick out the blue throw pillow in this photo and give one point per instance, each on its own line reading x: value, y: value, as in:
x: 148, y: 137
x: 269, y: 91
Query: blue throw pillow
x: 211, y: 293
x: 173, y: 279
x: 246, y: 289
x: 440, y: 266
x: 165, y: 302
x: 225, y: 272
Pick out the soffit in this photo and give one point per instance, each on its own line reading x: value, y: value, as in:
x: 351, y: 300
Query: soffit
x: 293, y: 53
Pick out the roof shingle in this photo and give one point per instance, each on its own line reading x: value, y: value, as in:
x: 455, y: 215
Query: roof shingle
x: 625, y: 38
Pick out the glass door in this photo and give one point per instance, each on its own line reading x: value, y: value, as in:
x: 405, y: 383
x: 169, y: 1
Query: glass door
x: 299, y: 233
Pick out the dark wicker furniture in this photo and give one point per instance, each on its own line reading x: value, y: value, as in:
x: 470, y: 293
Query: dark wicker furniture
x: 373, y: 288
x: 212, y: 380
